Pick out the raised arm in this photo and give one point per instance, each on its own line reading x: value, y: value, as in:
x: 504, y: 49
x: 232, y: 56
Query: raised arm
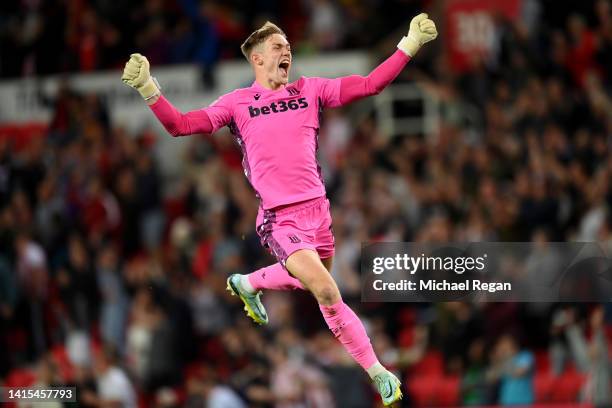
x: 422, y: 30
x: 355, y: 87
x: 178, y: 123
x: 136, y: 75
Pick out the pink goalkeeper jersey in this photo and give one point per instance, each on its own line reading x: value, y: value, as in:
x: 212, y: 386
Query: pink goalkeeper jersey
x: 278, y: 130
x: 278, y: 134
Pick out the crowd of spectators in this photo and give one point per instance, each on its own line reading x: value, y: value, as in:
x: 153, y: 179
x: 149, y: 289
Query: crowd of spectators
x: 112, y: 276
x: 54, y: 36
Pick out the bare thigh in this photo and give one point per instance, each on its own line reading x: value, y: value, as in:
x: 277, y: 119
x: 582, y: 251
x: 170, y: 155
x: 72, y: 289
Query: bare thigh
x: 314, y: 274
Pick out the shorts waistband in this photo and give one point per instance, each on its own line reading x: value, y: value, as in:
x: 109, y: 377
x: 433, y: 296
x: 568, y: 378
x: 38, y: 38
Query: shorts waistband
x: 291, y: 208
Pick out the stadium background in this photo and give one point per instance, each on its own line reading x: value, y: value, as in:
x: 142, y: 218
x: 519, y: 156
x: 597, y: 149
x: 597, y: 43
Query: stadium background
x: 116, y: 240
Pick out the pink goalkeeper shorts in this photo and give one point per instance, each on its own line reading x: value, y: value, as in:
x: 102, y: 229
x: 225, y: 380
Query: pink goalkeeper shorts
x: 305, y: 225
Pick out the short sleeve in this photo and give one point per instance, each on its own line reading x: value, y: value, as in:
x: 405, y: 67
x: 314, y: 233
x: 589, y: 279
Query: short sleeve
x: 220, y: 111
x: 328, y: 90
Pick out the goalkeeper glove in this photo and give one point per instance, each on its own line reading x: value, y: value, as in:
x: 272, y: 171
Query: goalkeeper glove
x: 136, y: 74
x: 422, y: 30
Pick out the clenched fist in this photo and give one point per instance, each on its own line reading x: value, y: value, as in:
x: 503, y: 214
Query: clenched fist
x: 422, y: 30
x: 136, y: 74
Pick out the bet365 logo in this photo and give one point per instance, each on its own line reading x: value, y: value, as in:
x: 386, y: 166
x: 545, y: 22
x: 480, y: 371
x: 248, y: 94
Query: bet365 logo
x: 280, y: 106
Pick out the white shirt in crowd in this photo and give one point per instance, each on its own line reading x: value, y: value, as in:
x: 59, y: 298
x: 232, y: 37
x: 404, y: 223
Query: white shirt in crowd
x: 114, y: 385
x: 223, y: 397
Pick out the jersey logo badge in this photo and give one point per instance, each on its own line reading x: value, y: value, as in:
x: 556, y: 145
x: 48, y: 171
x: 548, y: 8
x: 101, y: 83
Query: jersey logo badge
x: 293, y: 91
x: 279, y: 107
x: 257, y: 96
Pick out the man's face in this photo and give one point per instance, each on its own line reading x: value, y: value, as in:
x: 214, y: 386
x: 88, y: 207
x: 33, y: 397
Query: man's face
x: 274, y: 57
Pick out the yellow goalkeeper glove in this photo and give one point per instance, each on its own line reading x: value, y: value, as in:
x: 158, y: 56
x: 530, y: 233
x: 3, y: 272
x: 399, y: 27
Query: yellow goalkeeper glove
x: 136, y: 74
x: 422, y: 30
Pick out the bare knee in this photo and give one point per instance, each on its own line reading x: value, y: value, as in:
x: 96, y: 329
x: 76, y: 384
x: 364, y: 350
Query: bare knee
x: 306, y: 266
x: 327, y: 294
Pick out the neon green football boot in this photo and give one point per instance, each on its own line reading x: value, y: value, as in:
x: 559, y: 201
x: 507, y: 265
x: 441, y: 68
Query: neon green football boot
x: 252, y: 303
x: 389, y: 387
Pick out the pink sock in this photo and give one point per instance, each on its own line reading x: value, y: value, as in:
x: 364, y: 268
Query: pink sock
x: 274, y: 277
x: 347, y: 328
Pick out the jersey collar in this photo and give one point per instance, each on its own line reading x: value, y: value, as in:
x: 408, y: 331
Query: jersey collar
x: 258, y: 87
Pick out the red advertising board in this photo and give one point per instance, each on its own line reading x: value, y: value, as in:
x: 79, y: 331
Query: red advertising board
x: 471, y: 28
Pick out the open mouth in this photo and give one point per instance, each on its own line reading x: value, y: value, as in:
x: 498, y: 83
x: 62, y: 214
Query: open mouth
x: 284, y: 68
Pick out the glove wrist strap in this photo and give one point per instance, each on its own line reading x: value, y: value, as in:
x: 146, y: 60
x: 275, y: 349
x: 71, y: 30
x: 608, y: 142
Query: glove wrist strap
x: 408, y: 45
x: 150, y: 89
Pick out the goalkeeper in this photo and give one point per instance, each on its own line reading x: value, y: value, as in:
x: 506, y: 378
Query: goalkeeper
x: 276, y: 124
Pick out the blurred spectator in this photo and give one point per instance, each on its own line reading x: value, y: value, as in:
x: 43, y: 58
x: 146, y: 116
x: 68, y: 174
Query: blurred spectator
x: 207, y: 391
x: 9, y: 295
x: 113, y: 386
x: 475, y: 388
x: 459, y: 326
x: 78, y: 349
x: 295, y: 384
x: 205, y: 40
x: 77, y: 284
x: 325, y: 28
x: 139, y: 332
x: 33, y: 276
x: 64, y: 123
x: 149, y: 183
x: 514, y: 370
x: 210, y: 317
x: 591, y: 357
x: 581, y: 58
x: 115, y: 301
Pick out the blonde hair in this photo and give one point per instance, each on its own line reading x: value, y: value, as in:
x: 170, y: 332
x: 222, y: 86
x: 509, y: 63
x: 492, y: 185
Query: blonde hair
x: 259, y: 36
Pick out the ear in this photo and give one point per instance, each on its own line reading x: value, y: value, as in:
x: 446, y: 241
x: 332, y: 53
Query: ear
x: 256, y: 58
